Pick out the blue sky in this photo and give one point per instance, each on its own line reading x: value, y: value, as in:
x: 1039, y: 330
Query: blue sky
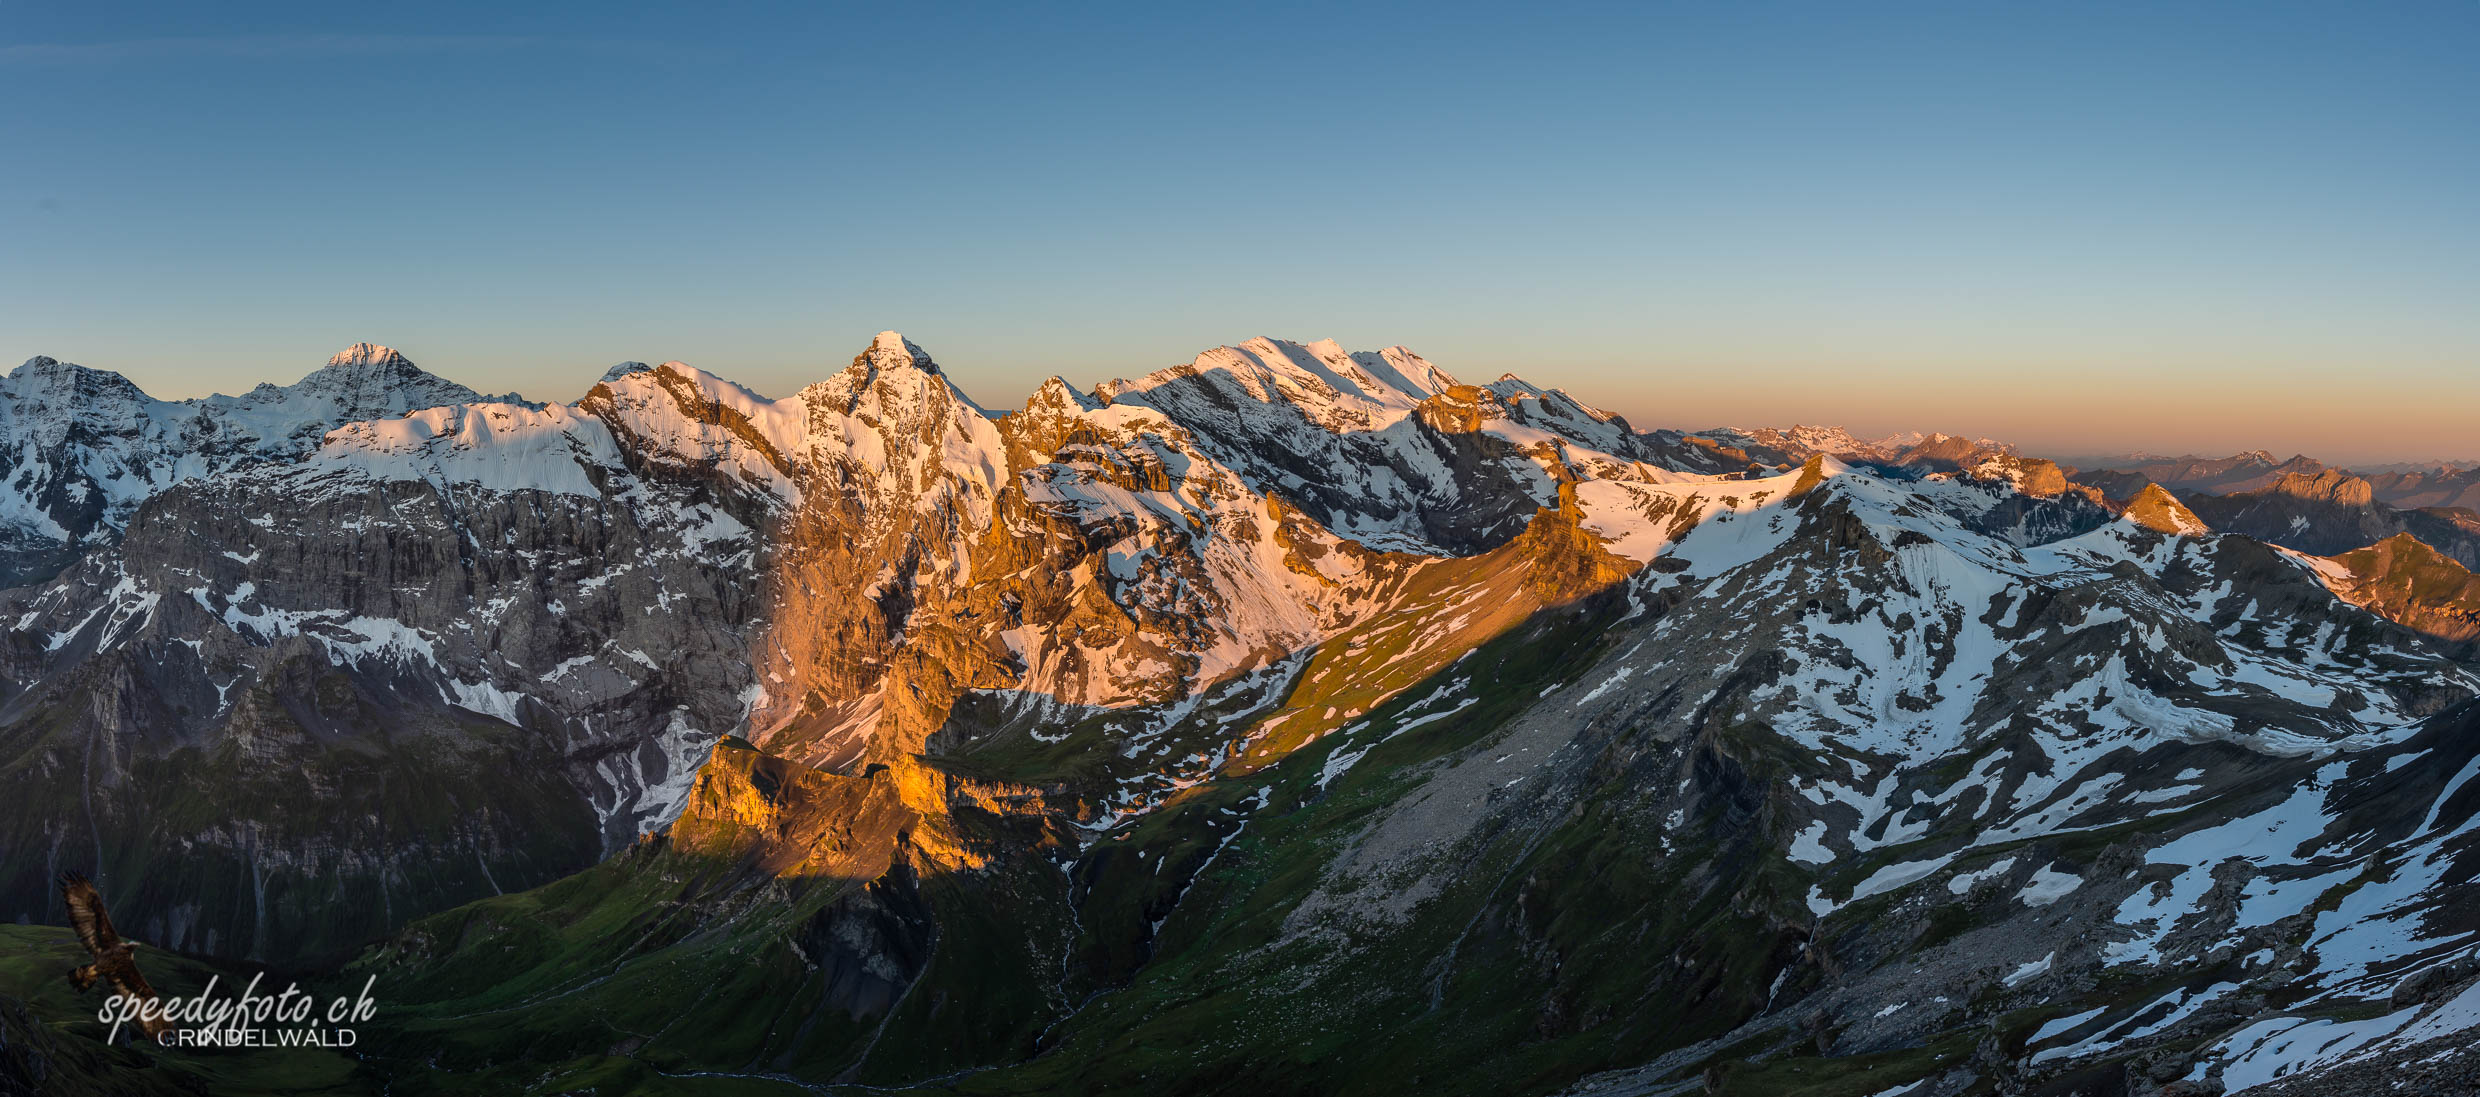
x: 2171, y: 226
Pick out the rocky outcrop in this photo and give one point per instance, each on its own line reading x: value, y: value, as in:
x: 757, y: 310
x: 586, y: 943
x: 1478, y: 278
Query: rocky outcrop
x: 2330, y: 486
x: 784, y: 819
x: 2156, y: 509
x: 2414, y: 585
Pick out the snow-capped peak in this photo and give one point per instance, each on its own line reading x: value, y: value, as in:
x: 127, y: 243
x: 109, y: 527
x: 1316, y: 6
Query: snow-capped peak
x: 43, y: 373
x: 370, y: 354
x: 892, y: 349
x: 1058, y: 395
x: 895, y: 376
x: 622, y: 370
x: 43, y: 366
x: 368, y: 381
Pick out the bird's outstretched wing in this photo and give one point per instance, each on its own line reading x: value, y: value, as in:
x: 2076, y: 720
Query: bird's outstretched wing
x: 122, y: 971
x: 115, y: 960
x: 94, y: 927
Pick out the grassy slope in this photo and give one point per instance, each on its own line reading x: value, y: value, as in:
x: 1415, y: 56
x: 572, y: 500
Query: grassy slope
x: 34, y: 961
x: 1229, y: 1004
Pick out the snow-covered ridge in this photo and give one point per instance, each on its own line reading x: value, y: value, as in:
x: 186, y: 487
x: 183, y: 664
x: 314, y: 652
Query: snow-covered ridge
x: 894, y: 429
x: 503, y: 447
x: 81, y: 448
x: 1383, y: 447
x: 1335, y: 389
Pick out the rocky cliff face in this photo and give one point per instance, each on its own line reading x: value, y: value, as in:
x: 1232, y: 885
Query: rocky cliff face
x: 2330, y: 487
x: 308, y: 689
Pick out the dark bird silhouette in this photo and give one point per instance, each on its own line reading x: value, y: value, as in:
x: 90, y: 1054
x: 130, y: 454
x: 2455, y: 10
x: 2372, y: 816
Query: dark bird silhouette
x: 116, y: 960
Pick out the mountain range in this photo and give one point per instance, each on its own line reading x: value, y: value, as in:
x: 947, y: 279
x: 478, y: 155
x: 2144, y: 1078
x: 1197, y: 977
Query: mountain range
x: 1289, y: 720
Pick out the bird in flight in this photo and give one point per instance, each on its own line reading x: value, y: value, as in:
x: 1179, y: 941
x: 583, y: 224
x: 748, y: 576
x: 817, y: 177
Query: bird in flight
x: 116, y: 960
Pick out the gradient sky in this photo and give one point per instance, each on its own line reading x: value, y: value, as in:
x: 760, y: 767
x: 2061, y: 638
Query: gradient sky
x: 2165, y: 226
